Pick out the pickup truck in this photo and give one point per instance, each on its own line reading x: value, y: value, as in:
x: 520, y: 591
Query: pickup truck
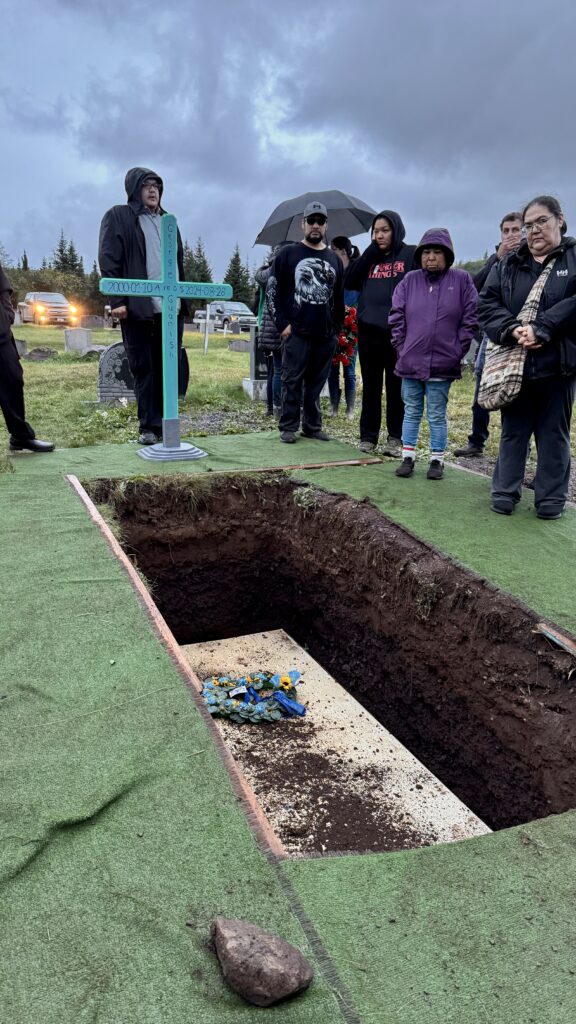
x: 224, y: 314
x: 47, y: 308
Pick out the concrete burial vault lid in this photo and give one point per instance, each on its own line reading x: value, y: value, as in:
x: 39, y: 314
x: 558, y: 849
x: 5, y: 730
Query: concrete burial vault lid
x: 306, y: 772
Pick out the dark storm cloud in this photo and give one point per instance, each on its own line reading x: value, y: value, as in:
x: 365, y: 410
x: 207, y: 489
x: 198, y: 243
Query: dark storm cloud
x: 450, y: 112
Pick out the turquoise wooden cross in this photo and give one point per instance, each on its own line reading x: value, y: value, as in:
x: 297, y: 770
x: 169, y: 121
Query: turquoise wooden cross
x: 169, y: 289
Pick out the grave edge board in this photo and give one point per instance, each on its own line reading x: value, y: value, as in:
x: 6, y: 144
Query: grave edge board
x: 257, y: 820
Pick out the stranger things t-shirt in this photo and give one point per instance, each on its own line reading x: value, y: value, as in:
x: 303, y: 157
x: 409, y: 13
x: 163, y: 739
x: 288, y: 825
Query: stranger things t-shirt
x: 305, y: 290
x: 376, y: 298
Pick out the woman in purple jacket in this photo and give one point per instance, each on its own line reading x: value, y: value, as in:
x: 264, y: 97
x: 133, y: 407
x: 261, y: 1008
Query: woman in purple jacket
x: 433, y: 320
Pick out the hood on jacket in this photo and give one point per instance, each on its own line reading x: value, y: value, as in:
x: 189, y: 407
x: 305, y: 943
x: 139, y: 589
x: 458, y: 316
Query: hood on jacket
x: 523, y: 252
x: 397, y: 225
x: 133, y: 182
x: 435, y: 237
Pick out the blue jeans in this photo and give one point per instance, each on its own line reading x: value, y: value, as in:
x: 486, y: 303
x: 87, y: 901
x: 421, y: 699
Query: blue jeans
x: 436, y: 393
x: 349, y: 382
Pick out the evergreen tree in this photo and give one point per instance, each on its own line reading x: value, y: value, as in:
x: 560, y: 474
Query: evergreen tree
x: 4, y: 257
x: 239, y: 278
x: 61, y: 254
x: 189, y: 263
x: 24, y: 261
x: 74, y: 260
x: 203, y: 269
x: 94, y: 298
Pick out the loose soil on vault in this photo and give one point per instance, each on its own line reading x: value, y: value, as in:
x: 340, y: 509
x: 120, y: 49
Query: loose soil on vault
x: 449, y: 664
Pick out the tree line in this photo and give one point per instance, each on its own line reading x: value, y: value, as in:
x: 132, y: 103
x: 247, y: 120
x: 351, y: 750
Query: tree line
x: 64, y: 272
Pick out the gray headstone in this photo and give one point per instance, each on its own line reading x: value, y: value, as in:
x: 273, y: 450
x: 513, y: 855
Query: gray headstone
x: 37, y: 355
x: 115, y: 380
x: 93, y: 323
x: 21, y: 346
x: 77, y: 339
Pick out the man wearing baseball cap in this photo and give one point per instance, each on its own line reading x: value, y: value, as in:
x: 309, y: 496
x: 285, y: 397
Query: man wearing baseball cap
x: 306, y: 301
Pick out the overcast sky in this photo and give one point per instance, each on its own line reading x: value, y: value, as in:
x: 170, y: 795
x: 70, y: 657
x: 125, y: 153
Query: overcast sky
x: 451, y: 112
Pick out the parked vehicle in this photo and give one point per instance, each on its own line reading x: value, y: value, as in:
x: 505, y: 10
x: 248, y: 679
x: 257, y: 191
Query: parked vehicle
x: 47, y: 308
x: 109, y: 319
x: 224, y: 314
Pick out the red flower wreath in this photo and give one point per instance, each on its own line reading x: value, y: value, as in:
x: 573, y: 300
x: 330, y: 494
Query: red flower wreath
x: 348, y: 338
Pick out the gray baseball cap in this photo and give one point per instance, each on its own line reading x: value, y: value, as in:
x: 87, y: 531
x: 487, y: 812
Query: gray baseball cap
x: 315, y: 207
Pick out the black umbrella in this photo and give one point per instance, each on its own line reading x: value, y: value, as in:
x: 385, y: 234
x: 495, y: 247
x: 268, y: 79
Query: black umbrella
x: 346, y: 216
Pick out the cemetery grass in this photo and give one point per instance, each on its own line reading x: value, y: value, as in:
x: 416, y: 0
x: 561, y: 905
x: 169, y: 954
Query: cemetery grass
x: 61, y: 399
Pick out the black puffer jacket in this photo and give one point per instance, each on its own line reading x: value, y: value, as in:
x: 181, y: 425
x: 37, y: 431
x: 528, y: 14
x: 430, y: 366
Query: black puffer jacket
x: 122, y: 246
x: 506, y: 291
x: 268, y: 336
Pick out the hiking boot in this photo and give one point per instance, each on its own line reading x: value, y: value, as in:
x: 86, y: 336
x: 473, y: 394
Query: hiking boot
x: 147, y: 437
x: 333, y: 411
x: 406, y: 467
x: 393, y: 448
x: 367, y: 446
x: 436, y: 470
x: 469, y: 449
x: 504, y: 506
x: 288, y: 436
x: 349, y: 412
x: 319, y: 435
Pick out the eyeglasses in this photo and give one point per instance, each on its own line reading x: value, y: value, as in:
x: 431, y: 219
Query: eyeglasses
x: 151, y: 184
x: 528, y: 228
x: 316, y: 218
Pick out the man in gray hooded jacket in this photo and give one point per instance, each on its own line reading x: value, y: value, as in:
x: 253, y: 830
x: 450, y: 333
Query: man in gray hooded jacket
x: 129, y: 247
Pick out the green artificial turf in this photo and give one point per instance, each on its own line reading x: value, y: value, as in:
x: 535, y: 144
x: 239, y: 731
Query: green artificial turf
x: 121, y: 837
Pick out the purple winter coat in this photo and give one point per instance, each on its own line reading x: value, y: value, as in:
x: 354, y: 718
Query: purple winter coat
x: 433, y: 318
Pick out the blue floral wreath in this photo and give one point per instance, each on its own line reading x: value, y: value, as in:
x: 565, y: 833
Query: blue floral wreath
x: 258, y: 697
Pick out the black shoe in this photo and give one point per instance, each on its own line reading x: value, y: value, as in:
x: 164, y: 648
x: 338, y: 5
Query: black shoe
x: 147, y: 437
x: 406, y: 468
x: 320, y: 435
x: 529, y: 484
x: 469, y: 449
x: 31, y: 444
x: 436, y: 470
x: 504, y: 506
x: 288, y: 436
x: 552, y: 512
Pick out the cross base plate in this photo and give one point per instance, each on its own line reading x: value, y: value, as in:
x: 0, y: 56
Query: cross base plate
x: 159, y: 452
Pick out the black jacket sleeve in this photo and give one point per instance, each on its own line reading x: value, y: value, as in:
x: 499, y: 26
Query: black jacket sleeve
x: 357, y: 270
x: 482, y: 276
x: 278, y: 292
x: 111, y: 254
x: 6, y: 308
x: 494, y: 318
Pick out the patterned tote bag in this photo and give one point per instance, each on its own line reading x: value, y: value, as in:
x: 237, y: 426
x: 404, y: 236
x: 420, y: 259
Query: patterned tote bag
x: 504, y: 365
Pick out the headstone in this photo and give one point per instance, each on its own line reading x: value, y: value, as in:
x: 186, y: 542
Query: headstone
x: 21, y: 346
x: 115, y: 380
x: 17, y: 318
x: 255, y: 385
x: 77, y: 339
x: 93, y: 323
x: 38, y: 355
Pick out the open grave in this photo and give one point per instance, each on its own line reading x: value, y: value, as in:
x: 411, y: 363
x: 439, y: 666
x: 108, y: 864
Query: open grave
x: 448, y: 664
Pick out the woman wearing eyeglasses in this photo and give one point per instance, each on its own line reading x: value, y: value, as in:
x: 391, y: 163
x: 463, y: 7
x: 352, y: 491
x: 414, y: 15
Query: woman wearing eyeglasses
x: 544, y: 405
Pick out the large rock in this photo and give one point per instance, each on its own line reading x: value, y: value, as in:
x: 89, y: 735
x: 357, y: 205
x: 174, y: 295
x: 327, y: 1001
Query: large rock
x: 257, y: 964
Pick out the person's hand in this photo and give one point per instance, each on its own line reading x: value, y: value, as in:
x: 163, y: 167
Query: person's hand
x: 518, y: 334
x: 286, y: 332
x: 506, y: 246
x: 120, y: 312
x: 530, y: 340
